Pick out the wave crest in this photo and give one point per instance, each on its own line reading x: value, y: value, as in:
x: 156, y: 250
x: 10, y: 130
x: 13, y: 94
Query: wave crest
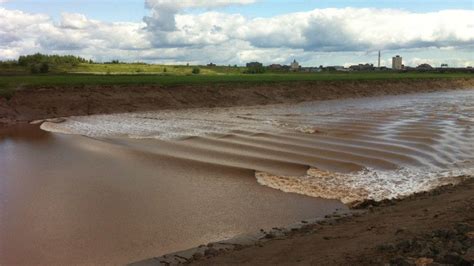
x: 368, y: 184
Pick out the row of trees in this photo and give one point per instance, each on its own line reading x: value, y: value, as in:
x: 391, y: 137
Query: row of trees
x: 26, y: 60
x: 41, y: 63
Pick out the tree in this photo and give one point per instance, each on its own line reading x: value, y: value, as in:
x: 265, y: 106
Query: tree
x: 44, y: 67
x: 255, y: 70
x: 196, y: 70
x: 40, y: 68
x: 37, y: 58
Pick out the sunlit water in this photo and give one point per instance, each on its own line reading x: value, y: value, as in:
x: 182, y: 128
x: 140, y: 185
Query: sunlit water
x: 356, y: 149
x: 124, y: 187
x: 67, y: 200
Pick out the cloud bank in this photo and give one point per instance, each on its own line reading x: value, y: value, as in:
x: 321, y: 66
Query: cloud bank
x: 173, y: 34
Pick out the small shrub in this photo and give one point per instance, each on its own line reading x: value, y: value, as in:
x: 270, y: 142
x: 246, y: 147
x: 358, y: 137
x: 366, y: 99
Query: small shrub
x: 44, y: 68
x: 196, y: 70
x: 255, y: 70
x: 40, y: 68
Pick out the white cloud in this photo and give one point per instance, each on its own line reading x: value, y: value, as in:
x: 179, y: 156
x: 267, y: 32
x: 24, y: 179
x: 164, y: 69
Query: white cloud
x: 347, y: 29
x: 171, y: 34
x: 76, y: 21
x: 195, y: 3
x: 163, y: 12
x: 25, y: 33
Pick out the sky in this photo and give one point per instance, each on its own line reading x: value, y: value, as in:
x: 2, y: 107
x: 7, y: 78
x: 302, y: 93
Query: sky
x: 314, y: 32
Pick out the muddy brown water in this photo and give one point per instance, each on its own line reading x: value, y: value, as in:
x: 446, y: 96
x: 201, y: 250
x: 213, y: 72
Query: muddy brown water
x: 74, y: 199
x: 125, y: 187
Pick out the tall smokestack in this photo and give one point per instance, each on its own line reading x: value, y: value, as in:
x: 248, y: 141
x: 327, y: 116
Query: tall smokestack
x: 379, y: 58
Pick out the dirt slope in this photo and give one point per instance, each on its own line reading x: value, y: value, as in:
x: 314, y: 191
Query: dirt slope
x: 48, y: 102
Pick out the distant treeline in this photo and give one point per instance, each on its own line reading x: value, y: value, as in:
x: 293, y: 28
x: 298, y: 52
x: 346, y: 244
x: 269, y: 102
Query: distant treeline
x: 41, y: 63
x: 27, y: 60
x: 54, y: 59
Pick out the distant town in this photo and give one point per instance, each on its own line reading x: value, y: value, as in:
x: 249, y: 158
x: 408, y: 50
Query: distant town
x: 397, y: 65
x: 60, y: 64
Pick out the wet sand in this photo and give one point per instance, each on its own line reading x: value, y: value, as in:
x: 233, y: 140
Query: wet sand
x: 124, y: 187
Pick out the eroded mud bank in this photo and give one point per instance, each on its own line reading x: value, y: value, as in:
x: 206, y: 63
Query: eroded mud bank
x: 49, y: 102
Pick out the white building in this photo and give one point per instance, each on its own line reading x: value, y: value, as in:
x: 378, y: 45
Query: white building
x: 397, y: 63
x: 295, y: 66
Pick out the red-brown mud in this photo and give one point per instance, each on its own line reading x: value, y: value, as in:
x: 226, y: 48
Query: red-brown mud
x: 49, y: 102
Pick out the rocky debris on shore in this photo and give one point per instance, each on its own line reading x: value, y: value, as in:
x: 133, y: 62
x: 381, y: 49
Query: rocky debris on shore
x: 257, y: 239
x: 454, y: 246
x: 428, y: 228
x: 369, y: 204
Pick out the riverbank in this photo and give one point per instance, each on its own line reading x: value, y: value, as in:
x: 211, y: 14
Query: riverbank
x: 426, y: 228
x: 41, y: 102
x: 150, y: 183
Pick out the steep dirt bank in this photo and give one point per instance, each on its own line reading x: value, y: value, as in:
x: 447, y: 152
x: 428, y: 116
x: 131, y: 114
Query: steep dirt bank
x: 47, y: 102
x: 433, y: 228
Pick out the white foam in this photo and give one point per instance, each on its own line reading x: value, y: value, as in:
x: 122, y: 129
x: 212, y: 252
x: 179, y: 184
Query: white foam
x: 367, y: 184
x: 449, y: 111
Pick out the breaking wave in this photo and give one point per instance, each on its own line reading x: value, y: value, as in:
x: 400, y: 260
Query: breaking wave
x: 368, y: 184
x: 369, y: 148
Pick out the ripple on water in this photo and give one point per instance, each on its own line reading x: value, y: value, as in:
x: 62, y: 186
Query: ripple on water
x: 403, y: 144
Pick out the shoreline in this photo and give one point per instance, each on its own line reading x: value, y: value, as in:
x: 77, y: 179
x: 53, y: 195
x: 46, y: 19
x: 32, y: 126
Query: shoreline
x: 46, y: 102
x: 259, y: 248
x: 390, y: 232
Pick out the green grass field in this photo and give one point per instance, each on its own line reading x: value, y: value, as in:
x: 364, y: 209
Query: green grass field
x: 10, y: 83
x: 115, y: 69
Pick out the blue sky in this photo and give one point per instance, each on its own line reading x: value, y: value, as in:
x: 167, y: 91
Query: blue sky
x: 134, y: 10
x: 314, y: 32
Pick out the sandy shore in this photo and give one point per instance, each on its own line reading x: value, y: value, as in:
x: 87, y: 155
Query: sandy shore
x: 432, y: 227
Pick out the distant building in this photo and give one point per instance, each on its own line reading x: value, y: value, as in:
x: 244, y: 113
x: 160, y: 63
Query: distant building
x: 254, y: 64
x: 444, y: 66
x: 310, y: 69
x: 380, y: 56
x: 340, y: 68
x: 362, y: 67
x: 295, y: 65
x: 424, y: 67
x: 397, y: 63
x: 211, y: 65
x: 275, y: 66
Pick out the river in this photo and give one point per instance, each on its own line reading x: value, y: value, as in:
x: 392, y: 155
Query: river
x: 124, y: 187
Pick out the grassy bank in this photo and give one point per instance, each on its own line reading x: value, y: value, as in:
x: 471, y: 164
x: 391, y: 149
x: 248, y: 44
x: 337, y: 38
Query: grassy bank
x: 9, y: 84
